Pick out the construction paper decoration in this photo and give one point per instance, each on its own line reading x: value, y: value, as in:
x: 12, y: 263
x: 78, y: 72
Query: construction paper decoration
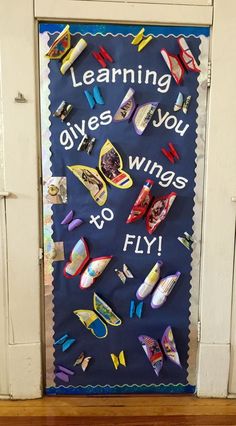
x: 83, y: 361
x: 72, y: 223
x: 163, y: 290
x: 140, y: 40
x: 150, y: 281
x: 79, y: 257
x: 95, y: 98
x: 158, y: 210
x: 135, y: 309
x: 118, y: 360
x: 64, y: 373
x: 111, y: 166
x: 65, y: 342
x: 182, y: 103
x: 174, y: 62
x: 140, y: 115
x: 124, y: 274
x: 172, y: 154
x: 93, y: 322
x: 101, y: 56
x: 62, y: 45
x: 55, y: 190
x: 186, y: 240
x: 86, y: 144
x: 63, y: 110
x: 154, y: 353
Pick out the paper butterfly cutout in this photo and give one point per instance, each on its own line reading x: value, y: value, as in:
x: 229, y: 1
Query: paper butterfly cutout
x: 65, y: 342
x: 62, y: 45
x: 182, y: 103
x: 124, y: 274
x: 154, y: 353
x: 157, y: 211
x: 118, y: 360
x: 64, y: 373
x: 110, y: 166
x: 95, y: 98
x: 164, y: 288
x: 83, y: 361
x: 101, y: 56
x: 185, y: 57
x: 93, y: 322
x: 79, y: 257
x: 187, y: 240
x: 172, y: 154
x: 72, y: 223
x: 140, y: 115
x: 138, y: 310
x: 63, y: 110
x: 150, y: 281
x: 140, y: 40
x: 86, y: 144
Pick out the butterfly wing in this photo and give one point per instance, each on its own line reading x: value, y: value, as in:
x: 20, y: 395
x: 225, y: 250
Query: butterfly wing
x: 127, y: 272
x: 126, y: 108
x: 93, y: 270
x: 179, y: 102
x: 92, y: 322
x: 158, y: 211
x: 79, y: 359
x: 92, y: 180
x: 105, y: 311
x: 85, y: 363
x: 142, y: 202
x: 153, y: 351
x: 143, y: 115
x: 61, y: 45
x: 110, y: 164
x: 78, y: 258
x: 169, y: 347
x: 174, y: 65
x: 187, y: 56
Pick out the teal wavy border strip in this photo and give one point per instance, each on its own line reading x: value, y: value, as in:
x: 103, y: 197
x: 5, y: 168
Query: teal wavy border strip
x: 123, y: 389
x: 124, y: 29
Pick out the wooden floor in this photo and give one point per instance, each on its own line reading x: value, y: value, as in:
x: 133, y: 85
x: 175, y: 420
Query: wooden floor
x: 123, y: 410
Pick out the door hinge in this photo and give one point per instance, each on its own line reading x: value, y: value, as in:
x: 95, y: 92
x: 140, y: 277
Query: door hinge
x: 40, y: 253
x: 198, y: 331
x: 209, y: 74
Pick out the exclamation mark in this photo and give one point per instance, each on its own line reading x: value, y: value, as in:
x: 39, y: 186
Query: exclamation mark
x: 159, y: 246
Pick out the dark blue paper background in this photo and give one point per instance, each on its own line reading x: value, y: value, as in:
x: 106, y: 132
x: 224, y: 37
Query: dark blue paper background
x: 110, y: 240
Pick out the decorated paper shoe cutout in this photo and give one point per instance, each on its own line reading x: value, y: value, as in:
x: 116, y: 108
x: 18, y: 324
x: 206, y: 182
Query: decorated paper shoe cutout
x: 110, y: 166
x: 141, y: 204
x: 187, y: 240
x: 172, y: 154
x: 154, y: 352
x: 158, y: 211
x: 185, y: 59
x: 62, y: 45
x: 118, y: 360
x: 64, y: 373
x: 55, y: 190
x: 135, y: 309
x: 65, y: 342
x: 182, y: 103
x: 83, y: 361
x: 79, y: 258
x: 124, y: 274
x: 86, y: 144
x: 63, y: 110
x: 150, y: 281
x: 163, y: 290
x: 102, y: 56
x: 141, y: 41
x: 140, y: 115
x: 92, y: 321
x: 72, y: 223
x: 95, y: 98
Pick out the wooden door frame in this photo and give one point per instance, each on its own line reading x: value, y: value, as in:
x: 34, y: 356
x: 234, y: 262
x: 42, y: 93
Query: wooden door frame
x: 22, y: 179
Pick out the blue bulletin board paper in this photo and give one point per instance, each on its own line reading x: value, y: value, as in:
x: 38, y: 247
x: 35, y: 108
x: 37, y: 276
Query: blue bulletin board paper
x: 127, y: 243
